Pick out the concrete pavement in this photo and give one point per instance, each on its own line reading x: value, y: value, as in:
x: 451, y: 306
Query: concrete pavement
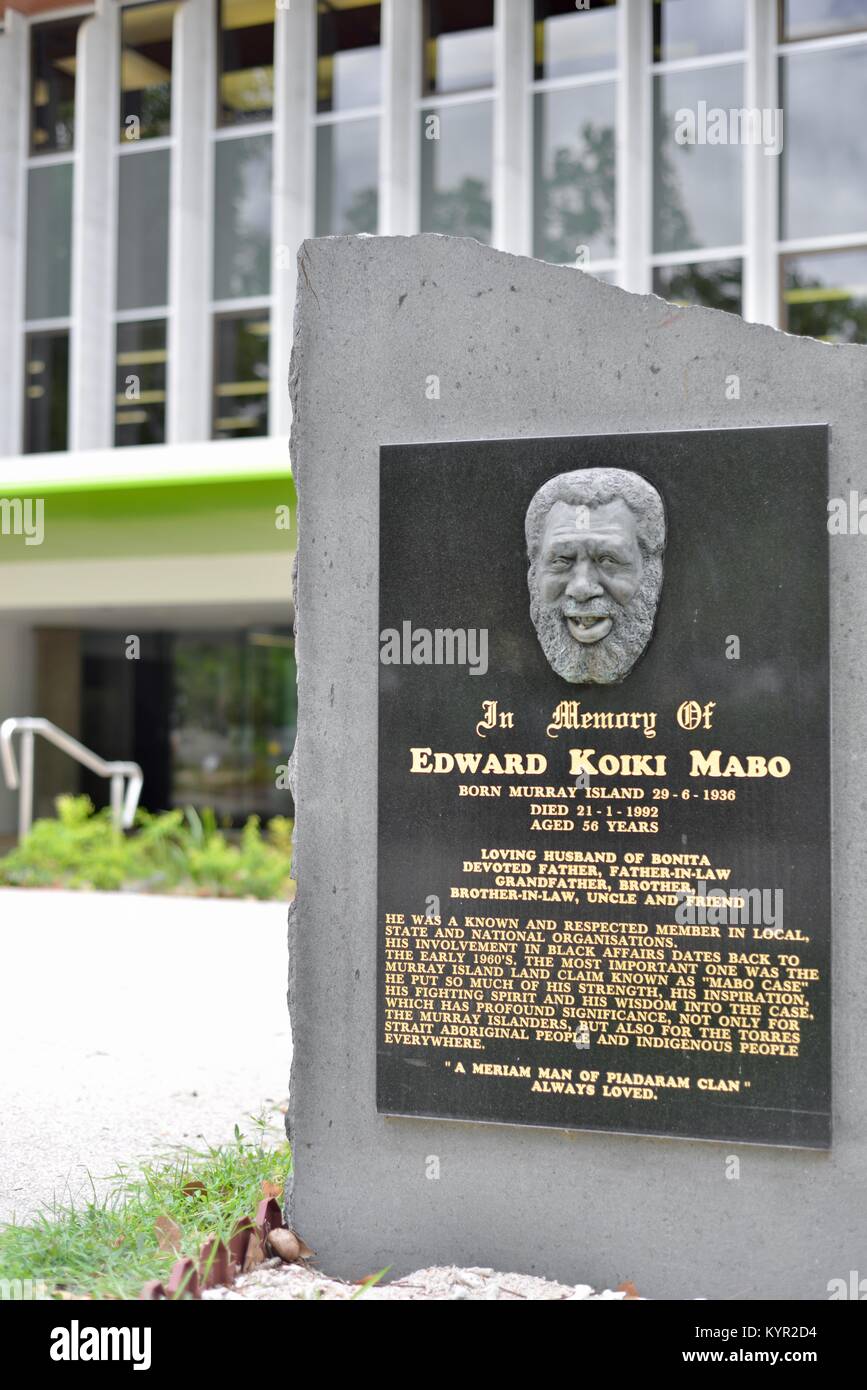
x: 128, y: 1025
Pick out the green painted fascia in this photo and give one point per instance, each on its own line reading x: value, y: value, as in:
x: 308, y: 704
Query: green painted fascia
x: 37, y: 487
x: 178, y: 518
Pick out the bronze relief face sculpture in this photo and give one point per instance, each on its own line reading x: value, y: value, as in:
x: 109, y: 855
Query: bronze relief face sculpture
x: 595, y: 542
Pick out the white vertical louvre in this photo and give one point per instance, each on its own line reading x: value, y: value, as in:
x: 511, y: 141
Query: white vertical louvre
x: 94, y: 228
x: 13, y: 133
x: 513, y: 171
x: 398, y: 133
x: 292, y: 211
x: 761, y: 171
x: 190, y: 222
x: 634, y: 150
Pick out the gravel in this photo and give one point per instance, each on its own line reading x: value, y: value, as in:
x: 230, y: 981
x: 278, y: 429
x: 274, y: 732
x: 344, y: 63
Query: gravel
x: 275, y: 1281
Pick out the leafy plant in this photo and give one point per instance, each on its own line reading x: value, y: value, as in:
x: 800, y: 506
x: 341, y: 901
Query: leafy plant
x: 174, y: 852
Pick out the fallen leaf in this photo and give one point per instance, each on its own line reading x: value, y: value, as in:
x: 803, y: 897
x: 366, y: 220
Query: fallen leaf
x: 268, y: 1217
x: 153, y: 1289
x: 192, y: 1187
x: 629, y: 1289
x: 214, y: 1262
x: 285, y: 1244
x: 183, y: 1280
x: 168, y: 1234
x: 254, y: 1255
x: 271, y: 1189
x: 238, y: 1242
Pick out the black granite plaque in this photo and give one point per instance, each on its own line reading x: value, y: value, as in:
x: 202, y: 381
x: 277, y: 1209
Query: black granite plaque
x: 604, y: 869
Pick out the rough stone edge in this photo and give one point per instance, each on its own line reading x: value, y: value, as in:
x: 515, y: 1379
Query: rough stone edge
x: 303, y: 293
x: 292, y: 920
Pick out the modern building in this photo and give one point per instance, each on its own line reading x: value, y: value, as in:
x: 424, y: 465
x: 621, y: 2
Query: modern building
x: 160, y: 164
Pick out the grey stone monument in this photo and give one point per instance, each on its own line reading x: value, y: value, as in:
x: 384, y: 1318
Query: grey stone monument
x: 438, y: 339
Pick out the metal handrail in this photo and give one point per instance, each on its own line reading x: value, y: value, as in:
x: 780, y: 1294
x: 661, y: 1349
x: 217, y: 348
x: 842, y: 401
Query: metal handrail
x: 123, y: 808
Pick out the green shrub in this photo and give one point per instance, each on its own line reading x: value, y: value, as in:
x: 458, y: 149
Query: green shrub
x: 174, y: 852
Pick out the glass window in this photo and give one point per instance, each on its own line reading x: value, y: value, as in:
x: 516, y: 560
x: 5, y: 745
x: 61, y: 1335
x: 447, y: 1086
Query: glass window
x: 46, y: 391
x: 348, y: 55
x: 52, y: 86
x: 696, y: 185
x: 143, y: 229
x: 575, y: 172
x: 242, y: 212
x: 807, y: 19
x: 456, y: 164
x: 825, y: 295
x: 823, y: 188
x: 245, y: 53
x: 567, y: 41
x: 241, y: 374
x: 459, y: 45
x: 686, y: 29
x: 140, y: 383
x: 273, y: 712
x: 146, y: 71
x: 230, y: 704
x: 49, y: 231
x: 713, y: 284
x: 208, y: 714
x: 347, y: 177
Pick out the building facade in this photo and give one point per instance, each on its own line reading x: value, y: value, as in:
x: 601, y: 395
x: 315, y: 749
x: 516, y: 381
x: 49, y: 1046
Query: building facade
x: 160, y: 164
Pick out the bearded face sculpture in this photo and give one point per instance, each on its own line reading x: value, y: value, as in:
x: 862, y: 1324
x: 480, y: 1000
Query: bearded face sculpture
x: 595, y: 542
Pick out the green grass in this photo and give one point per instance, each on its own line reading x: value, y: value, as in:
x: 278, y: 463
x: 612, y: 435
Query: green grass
x: 108, y: 1247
